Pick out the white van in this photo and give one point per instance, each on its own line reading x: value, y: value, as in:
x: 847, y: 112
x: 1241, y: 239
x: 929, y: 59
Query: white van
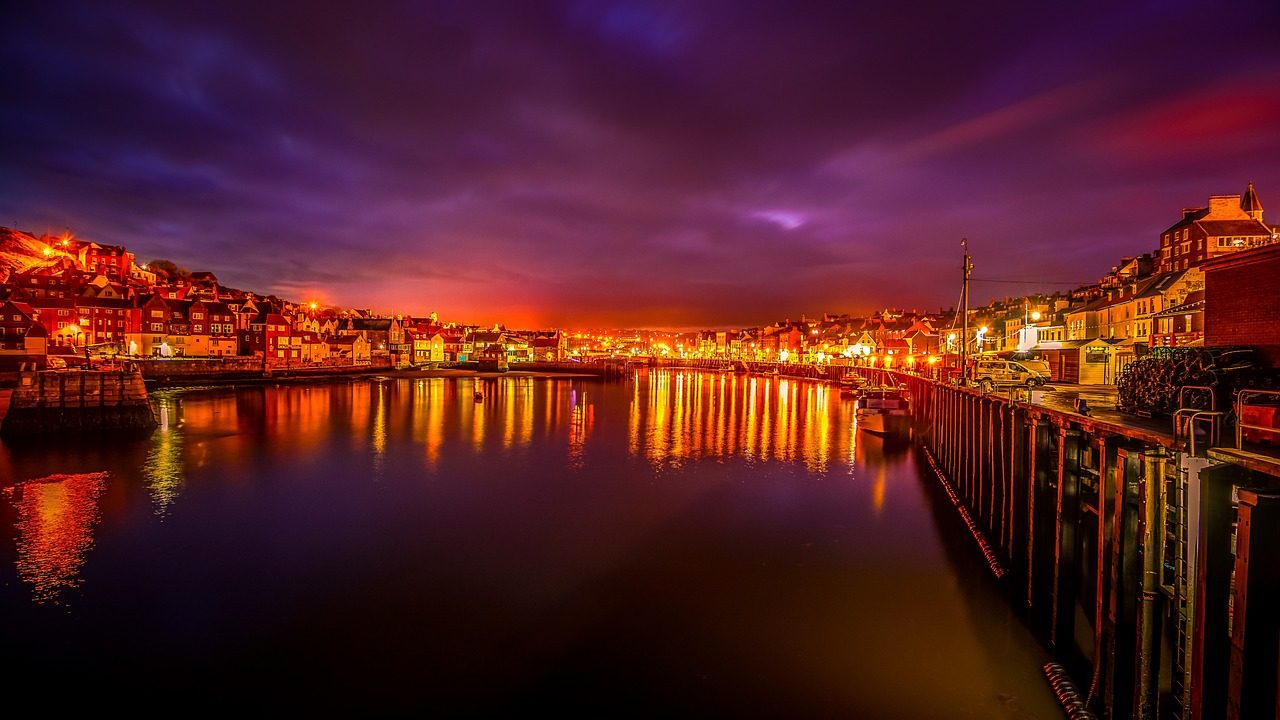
x: 990, y: 374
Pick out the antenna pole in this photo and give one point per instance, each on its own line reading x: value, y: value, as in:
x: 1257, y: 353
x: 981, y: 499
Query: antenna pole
x: 964, y: 314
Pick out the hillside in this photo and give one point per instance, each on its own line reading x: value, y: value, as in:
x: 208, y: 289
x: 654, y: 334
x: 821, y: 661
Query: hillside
x: 21, y: 251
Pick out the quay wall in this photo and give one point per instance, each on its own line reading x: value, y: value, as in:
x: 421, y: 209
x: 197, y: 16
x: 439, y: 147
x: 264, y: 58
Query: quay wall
x: 70, y: 401
x: 1120, y: 547
x: 212, y: 370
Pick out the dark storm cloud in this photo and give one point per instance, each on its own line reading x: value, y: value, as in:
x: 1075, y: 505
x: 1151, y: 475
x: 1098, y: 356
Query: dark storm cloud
x: 632, y: 162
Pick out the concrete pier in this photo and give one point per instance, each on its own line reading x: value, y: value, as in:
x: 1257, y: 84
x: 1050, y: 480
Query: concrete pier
x: 49, y: 402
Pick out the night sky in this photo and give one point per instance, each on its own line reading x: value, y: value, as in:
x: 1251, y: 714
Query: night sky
x: 634, y: 163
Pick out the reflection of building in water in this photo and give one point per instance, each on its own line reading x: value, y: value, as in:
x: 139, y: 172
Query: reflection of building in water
x: 56, y: 518
x: 677, y: 415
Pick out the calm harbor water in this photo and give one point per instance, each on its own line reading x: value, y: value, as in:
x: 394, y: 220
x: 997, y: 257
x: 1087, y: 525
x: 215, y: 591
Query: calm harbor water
x: 688, y: 543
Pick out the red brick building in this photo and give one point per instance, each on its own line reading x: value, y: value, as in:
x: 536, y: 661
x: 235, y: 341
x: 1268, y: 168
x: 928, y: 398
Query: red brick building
x: 112, y: 261
x: 1229, y: 224
x: 1242, y: 301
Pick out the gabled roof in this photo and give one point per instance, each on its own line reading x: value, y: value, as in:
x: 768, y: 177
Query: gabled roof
x: 1194, y: 302
x: 23, y: 308
x: 1247, y: 228
x: 1156, y: 286
x: 374, y: 324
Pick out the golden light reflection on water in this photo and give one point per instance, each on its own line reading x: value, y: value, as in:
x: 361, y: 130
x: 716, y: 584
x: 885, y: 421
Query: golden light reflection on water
x: 163, y: 468
x: 678, y: 415
x: 56, y: 519
x: 673, y: 417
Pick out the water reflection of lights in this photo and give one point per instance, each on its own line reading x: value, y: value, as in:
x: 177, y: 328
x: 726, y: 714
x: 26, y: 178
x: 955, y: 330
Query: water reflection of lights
x: 687, y: 414
x: 56, y: 519
x: 581, y: 419
x: 379, y: 435
x: 163, y: 469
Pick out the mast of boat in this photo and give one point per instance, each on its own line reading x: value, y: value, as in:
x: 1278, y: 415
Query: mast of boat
x: 964, y: 314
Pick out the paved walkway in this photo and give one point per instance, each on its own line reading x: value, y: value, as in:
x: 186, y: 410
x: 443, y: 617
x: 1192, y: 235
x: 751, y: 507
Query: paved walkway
x: 1100, y: 398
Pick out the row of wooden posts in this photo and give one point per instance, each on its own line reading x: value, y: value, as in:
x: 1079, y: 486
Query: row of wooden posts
x: 1152, y: 576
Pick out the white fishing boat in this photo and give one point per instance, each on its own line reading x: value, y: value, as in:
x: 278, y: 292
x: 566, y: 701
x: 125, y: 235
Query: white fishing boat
x: 884, y: 407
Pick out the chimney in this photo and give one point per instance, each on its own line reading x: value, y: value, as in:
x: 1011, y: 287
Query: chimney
x: 1225, y: 207
x: 1188, y: 213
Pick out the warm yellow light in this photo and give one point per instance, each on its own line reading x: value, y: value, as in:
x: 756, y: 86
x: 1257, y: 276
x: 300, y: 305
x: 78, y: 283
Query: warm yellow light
x: 314, y: 304
x: 933, y: 360
x: 47, y: 251
x: 1035, y: 315
x: 983, y: 329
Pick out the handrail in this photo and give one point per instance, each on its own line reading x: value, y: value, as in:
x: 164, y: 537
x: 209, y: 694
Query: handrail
x: 1213, y: 398
x: 1184, y: 408
x: 1194, y: 416
x: 1242, y: 398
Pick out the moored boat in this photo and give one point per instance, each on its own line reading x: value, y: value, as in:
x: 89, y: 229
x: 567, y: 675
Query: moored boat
x: 885, y: 408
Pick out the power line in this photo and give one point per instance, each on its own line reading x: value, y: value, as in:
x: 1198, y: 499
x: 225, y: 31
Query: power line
x: 1028, y: 282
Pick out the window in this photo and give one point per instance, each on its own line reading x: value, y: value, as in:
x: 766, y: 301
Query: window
x: 64, y: 312
x: 157, y: 313
x: 157, y: 327
x: 197, y: 316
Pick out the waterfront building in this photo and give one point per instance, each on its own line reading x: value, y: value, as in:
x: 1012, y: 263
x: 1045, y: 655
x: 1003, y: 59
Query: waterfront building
x: 352, y: 349
x: 22, y: 338
x: 1242, y: 301
x: 213, y: 329
x: 1230, y: 223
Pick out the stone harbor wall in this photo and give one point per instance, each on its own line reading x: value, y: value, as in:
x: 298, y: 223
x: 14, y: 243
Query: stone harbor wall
x: 71, y: 401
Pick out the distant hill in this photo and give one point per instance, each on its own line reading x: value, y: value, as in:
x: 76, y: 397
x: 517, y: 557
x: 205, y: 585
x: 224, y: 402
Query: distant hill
x: 20, y: 251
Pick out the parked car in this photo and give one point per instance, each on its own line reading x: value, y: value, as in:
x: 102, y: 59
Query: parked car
x: 990, y: 374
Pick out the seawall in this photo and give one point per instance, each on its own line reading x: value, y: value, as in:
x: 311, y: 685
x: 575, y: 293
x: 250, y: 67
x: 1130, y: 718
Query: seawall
x: 50, y: 402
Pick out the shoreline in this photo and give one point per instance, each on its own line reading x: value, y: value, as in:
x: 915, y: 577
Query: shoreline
x: 361, y: 374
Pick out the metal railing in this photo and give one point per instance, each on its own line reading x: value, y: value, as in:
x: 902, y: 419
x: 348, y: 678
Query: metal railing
x: 1185, y: 419
x: 1242, y: 401
x: 1213, y: 436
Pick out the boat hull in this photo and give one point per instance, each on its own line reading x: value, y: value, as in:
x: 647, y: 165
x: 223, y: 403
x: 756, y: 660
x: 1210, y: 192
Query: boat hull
x: 893, y: 423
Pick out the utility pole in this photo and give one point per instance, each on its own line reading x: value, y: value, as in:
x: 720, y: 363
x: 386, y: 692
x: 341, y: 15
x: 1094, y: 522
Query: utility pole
x: 964, y: 315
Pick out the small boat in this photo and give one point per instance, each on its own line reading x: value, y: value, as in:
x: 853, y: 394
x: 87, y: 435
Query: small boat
x: 479, y: 396
x: 884, y: 408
